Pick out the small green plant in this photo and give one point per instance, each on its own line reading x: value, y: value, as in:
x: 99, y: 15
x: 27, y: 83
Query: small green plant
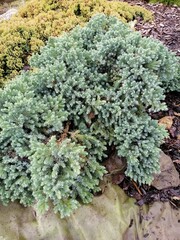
x: 90, y: 89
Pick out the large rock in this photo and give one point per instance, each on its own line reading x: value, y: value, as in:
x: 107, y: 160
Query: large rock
x: 7, y: 15
x: 168, y: 177
x: 111, y: 216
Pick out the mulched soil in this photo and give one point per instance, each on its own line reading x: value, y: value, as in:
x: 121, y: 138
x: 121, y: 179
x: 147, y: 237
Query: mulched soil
x: 166, y: 28
x: 166, y: 24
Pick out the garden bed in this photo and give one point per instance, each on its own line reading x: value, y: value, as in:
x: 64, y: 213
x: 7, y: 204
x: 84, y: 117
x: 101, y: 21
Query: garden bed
x: 166, y: 28
x: 111, y: 205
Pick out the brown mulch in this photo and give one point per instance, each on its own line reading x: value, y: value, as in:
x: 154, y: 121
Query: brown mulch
x: 166, y: 28
x: 171, y: 145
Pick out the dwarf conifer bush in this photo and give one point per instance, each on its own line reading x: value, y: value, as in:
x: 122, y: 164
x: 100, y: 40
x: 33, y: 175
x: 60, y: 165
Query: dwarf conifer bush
x: 90, y: 89
x: 26, y: 32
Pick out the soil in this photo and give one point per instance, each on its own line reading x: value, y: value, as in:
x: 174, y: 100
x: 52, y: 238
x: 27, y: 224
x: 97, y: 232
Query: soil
x: 166, y: 24
x: 166, y: 28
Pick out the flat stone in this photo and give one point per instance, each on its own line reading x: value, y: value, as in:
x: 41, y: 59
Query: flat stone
x: 168, y: 177
x: 7, y: 15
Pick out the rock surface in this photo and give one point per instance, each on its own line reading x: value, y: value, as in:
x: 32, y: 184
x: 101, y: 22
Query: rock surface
x: 7, y: 15
x: 111, y: 215
x: 168, y: 177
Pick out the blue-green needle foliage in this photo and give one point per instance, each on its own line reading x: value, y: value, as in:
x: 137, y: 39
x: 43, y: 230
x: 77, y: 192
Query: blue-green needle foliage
x: 90, y: 89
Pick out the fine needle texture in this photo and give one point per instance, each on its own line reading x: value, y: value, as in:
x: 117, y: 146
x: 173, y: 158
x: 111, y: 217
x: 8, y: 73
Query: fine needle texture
x: 90, y: 89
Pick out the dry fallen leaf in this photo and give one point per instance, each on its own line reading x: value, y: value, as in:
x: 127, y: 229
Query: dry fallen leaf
x: 177, y: 114
x: 177, y: 161
x: 91, y: 115
x: 176, y: 198
x: 117, y: 178
x: 166, y: 121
